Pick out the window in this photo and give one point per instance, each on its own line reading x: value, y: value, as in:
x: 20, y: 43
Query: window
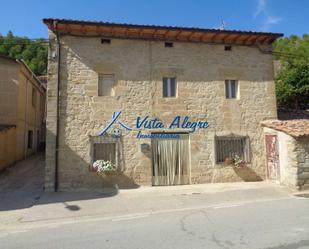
x: 228, y: 48
x: 33, y: 97
x: 104, y: 151
x: 169, y: 87
x: 104, y: 148
x: 169, y: 44
x: 30, y: 139
x: 231, y: 146
x: 106, y: 84
x: 105, y: 41
x: 231, y: 89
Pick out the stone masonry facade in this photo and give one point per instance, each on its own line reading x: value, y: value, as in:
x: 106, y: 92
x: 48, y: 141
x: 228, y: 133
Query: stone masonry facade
x: 139, y: 66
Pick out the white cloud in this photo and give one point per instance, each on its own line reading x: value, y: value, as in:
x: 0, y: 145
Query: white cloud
x: 268, y: 19
x: 260, y: 7
x: 272, y: 20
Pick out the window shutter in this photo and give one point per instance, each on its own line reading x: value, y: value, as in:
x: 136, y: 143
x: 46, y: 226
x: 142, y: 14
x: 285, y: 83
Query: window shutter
x: 165, y: 83
x: 173, y: 87
x: 227, y: 89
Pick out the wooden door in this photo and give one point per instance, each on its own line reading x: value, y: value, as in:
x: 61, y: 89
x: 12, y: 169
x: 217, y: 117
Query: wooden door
x: 272, y: 157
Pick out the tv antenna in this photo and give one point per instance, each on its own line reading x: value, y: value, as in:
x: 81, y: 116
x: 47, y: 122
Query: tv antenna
x: 223, y: 25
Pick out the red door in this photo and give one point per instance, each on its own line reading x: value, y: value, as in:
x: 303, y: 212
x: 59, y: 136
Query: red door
x: 272, y: 156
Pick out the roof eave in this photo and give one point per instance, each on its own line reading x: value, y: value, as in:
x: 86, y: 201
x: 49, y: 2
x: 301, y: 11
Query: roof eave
x: 152, y: 32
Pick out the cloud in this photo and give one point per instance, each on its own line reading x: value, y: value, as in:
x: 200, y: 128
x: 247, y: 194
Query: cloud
x: 272, y: 20
x: 261, y: 6
x: 268, y: 19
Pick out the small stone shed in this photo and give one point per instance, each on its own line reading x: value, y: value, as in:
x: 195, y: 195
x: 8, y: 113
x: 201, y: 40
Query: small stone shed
x: 287, y: 152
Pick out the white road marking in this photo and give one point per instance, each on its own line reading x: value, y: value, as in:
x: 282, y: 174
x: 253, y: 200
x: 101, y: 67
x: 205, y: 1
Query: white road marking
x: 131, y: 217
x: 227, y: 206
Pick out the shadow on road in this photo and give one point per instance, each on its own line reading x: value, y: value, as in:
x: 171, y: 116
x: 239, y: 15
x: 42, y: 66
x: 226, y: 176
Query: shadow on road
x: 21, y: 186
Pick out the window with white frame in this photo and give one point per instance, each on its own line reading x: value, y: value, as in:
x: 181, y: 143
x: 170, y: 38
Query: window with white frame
x: 169, y: 87
x: 228, y: 147
x: 106, y: 84
x: 231, y: 89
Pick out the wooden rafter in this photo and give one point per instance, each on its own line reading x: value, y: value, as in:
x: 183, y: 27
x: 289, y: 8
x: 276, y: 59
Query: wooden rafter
x: 235, y: 38
x: 190, y: 36
x: 253, y: 41
x: 212, y: 39
x: 223, y: 39
x: 178, y: 35
x: 247, y: 39
x: 263, y: 39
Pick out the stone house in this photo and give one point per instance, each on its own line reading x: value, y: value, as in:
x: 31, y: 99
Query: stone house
x: 287, y: 152
x: 166, y: 105
x: 22, y: 111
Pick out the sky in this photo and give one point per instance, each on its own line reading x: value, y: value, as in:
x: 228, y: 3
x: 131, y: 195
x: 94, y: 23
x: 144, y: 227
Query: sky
x: 24, y: 17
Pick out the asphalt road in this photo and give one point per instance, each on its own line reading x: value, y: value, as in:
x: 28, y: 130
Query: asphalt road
x: 271, y: 224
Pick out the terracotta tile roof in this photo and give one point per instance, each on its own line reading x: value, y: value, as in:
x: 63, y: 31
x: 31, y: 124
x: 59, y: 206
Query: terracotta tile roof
x: 293, y: 127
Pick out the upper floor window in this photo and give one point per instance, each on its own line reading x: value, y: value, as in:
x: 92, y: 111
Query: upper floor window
x: 169, y: 87
x: 106, y: 84
x: 231, y: 89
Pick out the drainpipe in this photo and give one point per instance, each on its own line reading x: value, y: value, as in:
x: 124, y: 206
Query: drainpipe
x: 57, y: 107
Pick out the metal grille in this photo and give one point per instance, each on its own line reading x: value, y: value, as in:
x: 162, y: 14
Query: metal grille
x: 230, y: 146
x: 104, y: 151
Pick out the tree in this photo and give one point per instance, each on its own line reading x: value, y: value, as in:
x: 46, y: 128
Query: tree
x: 292, y: 81
x: 33, y: 52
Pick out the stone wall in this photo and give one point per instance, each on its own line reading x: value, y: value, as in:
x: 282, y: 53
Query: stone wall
x: 301, y: 153
x: 293, y: 160
x: 138, y: 67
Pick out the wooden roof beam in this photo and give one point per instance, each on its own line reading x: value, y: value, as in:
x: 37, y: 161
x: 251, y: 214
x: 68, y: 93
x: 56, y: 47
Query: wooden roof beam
x: 165, y: 35
x: 153, y: 35
x: 212, y: 39
x: 246, y: 39
x: 223, y: 39
x: 253, y: 41
x: 270, y: 40
x: 191, y: 35
x: 263, y: 39
x: 83, y: 29
x: 235, y: 38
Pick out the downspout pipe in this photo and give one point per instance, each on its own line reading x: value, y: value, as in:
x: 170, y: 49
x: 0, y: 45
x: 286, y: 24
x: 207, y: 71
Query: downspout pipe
x: 57, y: 107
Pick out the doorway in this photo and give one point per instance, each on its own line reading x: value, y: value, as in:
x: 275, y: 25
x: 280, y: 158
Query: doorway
x: 272, y: 157
x: 170, y: 160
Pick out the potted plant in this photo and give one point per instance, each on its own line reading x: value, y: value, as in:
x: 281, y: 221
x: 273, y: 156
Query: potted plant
x: 238, y: 162
x: 103, y: 167
x: 228, y: 161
